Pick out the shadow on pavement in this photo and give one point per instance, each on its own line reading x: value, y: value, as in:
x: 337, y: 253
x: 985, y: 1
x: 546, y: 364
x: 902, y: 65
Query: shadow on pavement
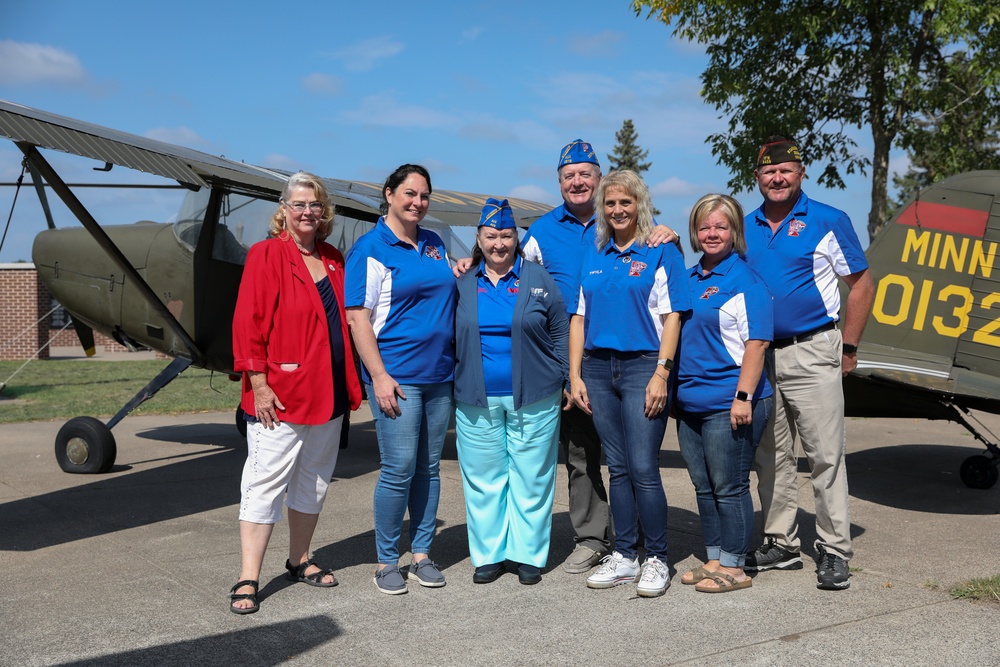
x: 261, y: 645
x: 922, y: 478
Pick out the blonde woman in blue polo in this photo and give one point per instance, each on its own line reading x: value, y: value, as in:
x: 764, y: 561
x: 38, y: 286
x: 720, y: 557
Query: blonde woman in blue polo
x: 511, y: 337
x: 723, y: 398
x: 623, y: 335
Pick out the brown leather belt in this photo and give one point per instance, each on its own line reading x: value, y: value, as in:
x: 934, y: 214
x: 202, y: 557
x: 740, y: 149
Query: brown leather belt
x: 785, y: 342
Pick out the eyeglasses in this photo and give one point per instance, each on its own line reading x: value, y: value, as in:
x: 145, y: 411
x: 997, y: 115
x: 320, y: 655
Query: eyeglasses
x: 767, y: 174
x: 300, y: 206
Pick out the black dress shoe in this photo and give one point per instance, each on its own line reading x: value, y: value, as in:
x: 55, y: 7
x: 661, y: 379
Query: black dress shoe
x: 485, y: 574
x: 528, y: 574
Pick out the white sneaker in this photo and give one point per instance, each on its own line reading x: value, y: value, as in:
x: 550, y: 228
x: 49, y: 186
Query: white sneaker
x: 614, y: 571
x: 655, y: 579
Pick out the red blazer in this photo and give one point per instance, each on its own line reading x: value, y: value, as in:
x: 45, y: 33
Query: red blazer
x: 280, y: 319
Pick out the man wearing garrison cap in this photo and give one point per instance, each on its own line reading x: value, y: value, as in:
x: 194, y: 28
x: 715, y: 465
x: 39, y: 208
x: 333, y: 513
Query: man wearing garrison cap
x: 799, y: 247
x: 557, y: 241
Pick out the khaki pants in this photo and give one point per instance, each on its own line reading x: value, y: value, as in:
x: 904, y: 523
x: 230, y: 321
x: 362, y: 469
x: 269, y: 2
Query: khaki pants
x: 809, y: 402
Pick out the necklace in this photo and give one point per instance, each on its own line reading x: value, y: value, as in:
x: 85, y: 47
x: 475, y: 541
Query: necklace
x: 305, y: 252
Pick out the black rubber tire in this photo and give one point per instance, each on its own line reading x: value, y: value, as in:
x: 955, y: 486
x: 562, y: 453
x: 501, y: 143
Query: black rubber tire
x: 85, y: 445
x: 241, y: 422
x: 979, y: 472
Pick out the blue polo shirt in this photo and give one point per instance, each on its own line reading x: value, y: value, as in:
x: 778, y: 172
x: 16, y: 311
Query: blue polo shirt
x: 411, y: 295
x: 558, y: 241
x: 800, y: 263
x: 496, y: 316
x: 729, y: 306
x: 623, y: 293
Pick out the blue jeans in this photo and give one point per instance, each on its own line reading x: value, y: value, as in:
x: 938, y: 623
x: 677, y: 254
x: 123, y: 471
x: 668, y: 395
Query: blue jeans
x: 718, y: 460
x: 616, y: 385
x: 410, y: 478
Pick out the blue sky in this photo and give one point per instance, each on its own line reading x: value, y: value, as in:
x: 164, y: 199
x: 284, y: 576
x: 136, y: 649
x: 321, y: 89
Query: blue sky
x: 482, y: 93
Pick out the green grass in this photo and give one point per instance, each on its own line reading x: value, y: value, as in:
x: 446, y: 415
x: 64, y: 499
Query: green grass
x: 66, y: 388
x: 983, y: 590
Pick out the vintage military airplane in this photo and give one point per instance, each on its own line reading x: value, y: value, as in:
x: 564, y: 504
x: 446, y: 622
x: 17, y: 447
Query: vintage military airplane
x: 931, y: 348
x: 172, y: 286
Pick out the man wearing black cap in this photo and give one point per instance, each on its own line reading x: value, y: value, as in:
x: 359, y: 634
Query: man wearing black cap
x: 800, y: 247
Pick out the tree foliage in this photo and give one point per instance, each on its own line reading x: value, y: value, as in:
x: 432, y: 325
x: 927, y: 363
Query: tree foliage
x: 959, y: 133
x: 820, y: 69
x: 627, y: 154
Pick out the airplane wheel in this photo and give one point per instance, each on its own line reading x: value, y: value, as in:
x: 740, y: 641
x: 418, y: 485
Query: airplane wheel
x: 979, y: 472
x: 241, y: 423
x: 85, y: 445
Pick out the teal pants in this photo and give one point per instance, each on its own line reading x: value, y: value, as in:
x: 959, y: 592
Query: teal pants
x: 508, y: 461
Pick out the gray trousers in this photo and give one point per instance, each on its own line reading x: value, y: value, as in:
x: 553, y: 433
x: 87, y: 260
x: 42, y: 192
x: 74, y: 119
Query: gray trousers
x: 808, y: 402
x: 588, y: 499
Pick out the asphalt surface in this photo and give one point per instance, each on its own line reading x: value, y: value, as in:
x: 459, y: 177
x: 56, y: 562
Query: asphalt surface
x: 133, y: 568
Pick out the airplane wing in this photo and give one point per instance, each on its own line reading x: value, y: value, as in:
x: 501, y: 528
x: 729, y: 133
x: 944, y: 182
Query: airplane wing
x: 196, y: 169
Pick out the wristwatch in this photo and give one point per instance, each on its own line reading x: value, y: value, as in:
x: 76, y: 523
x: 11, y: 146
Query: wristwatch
x: 666, y: 363
x: 742, y: 396
x: 850, y: 349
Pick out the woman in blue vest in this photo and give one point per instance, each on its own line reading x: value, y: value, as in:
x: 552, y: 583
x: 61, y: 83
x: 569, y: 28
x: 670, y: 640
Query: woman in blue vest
x: 722, y: 398
x: 622, y: 340
x: 400, y: 297
x: 511, y: 337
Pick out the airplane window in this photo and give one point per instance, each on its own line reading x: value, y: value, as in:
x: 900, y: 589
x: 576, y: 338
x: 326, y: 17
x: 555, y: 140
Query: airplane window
x: 190, y: 218
x: 243, y: 221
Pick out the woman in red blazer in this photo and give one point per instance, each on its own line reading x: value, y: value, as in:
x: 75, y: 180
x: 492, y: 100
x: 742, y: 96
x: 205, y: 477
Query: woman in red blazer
x: 291, y: 343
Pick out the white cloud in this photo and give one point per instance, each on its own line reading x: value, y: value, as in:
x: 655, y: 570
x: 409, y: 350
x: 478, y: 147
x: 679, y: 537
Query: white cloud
x: 322, y: 84
x: 677, y: 187
x: 367, y: 53
x: 439, y: 167
x: 279, y: 161
x: 534, y: 193
x: 22, y: 63
x: 470, y: 34
x: 384, y: 110
x: 491, y: 128
x: 182, y: 136
x: 603, y: 44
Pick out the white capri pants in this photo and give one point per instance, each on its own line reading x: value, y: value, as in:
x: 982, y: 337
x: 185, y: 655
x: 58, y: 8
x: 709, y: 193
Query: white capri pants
x: 295, y: 458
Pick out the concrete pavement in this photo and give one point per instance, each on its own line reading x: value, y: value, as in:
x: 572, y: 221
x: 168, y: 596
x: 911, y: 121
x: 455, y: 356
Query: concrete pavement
x: 133, y: 568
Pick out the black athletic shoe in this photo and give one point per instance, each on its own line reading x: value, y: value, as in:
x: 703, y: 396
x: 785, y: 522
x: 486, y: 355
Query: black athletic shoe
x: 772, y: 556
x: 831, y: 572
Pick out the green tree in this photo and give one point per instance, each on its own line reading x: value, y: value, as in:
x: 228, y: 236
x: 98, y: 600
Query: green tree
x: 626, y: 154
x: 817, y: 69
x: 958, y: 134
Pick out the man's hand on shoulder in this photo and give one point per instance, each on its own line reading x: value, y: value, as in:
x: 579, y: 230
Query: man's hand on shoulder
x: 661, y: 234
x: 461, y: 266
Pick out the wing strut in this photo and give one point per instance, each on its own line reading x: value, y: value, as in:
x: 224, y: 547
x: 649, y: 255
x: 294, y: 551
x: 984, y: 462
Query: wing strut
x: 83, y: 215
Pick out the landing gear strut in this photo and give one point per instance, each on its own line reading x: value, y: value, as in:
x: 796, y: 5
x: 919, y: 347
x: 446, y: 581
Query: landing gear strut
x: 86, y: 445
x: 979, y: 471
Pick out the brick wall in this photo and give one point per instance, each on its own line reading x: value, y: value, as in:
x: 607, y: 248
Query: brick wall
x: 23, y: 302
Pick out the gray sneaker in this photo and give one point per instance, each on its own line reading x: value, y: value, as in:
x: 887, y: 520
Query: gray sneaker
x: 582, y: 560
x: 772, y: 556
x: 832, y: 573
x: 390, y: 580
x: 426, y: 573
